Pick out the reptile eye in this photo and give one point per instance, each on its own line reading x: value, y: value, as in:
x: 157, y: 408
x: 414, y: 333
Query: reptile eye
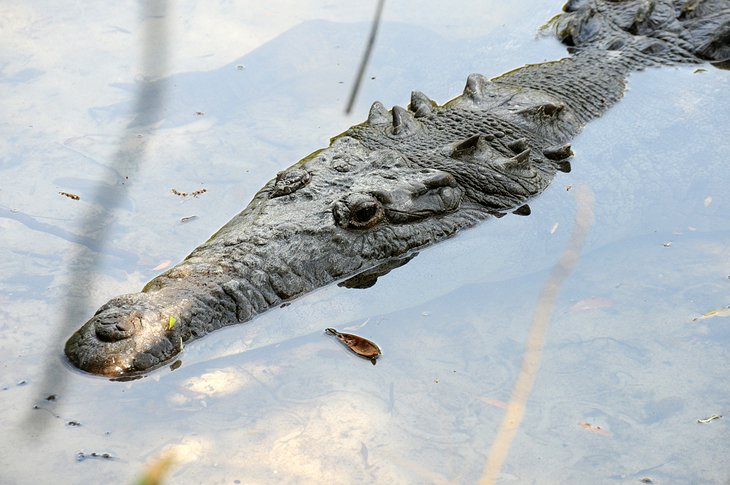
x: 364, y: 214
x: 358, y: 211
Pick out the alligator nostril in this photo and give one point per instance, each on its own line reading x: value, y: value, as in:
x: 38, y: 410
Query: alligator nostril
x: 125, y: 325
x: 114, y: 326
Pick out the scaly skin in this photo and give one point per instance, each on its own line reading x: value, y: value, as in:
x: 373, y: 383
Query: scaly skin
x: 402, y: 180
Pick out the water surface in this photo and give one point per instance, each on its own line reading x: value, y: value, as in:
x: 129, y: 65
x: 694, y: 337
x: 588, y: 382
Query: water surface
x: 245, y: 91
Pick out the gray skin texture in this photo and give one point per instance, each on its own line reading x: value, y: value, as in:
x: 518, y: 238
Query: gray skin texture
x: 402, y: 180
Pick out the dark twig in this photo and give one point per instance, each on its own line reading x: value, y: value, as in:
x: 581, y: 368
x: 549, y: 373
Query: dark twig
x: 365, y: 57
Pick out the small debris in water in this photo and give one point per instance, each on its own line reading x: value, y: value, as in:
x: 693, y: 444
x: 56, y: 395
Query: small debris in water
x: 176, y: 365
x: 162, y: 265
x: 708, y: 419
x: 188, y: 219
x: 70, y: 195
x: 646, y: 480
x: 720, y: 312
x: 591, y: 303
x: 73, y: 423
x: 81, y: 456
x: 51, y: 397
x: 359, y: 345
x: 21, y: 382
x: 240, y: 67
x: 199, y: 113
x: 668, y: 244
x: 593, y: 428
x: 436, y: 380
x: 554, y: 228
x: 568, y: 187
x: 194, y: 193
x: 699, y: 70
x: 708, y: 201
x: 493, y: 402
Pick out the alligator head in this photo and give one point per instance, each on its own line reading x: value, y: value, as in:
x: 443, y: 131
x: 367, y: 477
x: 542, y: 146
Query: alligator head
x: 336, y: 213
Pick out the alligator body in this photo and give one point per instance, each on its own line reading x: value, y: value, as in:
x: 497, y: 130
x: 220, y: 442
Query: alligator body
x: 402, y: 180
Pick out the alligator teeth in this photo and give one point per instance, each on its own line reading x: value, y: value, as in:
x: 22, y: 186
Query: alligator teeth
x: 523, y: 210
x: 518, y: 146
x: 421, y: 105
x: 558, y: 153
x: 378, y: 114
x: 519, y: 162
x: 474, y: 147
x: 475, y: 84
x: 403, y: 122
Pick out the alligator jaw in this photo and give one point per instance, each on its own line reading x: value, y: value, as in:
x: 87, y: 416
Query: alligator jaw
x: 127, y: 336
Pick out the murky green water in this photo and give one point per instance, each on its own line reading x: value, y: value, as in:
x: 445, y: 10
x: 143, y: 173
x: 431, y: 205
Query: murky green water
x: 625, y: 372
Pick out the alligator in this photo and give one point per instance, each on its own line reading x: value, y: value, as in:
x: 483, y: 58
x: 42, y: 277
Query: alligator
x: 402, y: 180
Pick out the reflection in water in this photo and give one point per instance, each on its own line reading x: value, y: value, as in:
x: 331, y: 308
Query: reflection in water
x: 149, y: 101
x: 369, y: 277
x: 124, y: 259
x: 536, y: 337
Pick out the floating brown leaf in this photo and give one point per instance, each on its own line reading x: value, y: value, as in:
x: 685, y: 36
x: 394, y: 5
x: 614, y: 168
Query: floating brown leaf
x: 359, y: 345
